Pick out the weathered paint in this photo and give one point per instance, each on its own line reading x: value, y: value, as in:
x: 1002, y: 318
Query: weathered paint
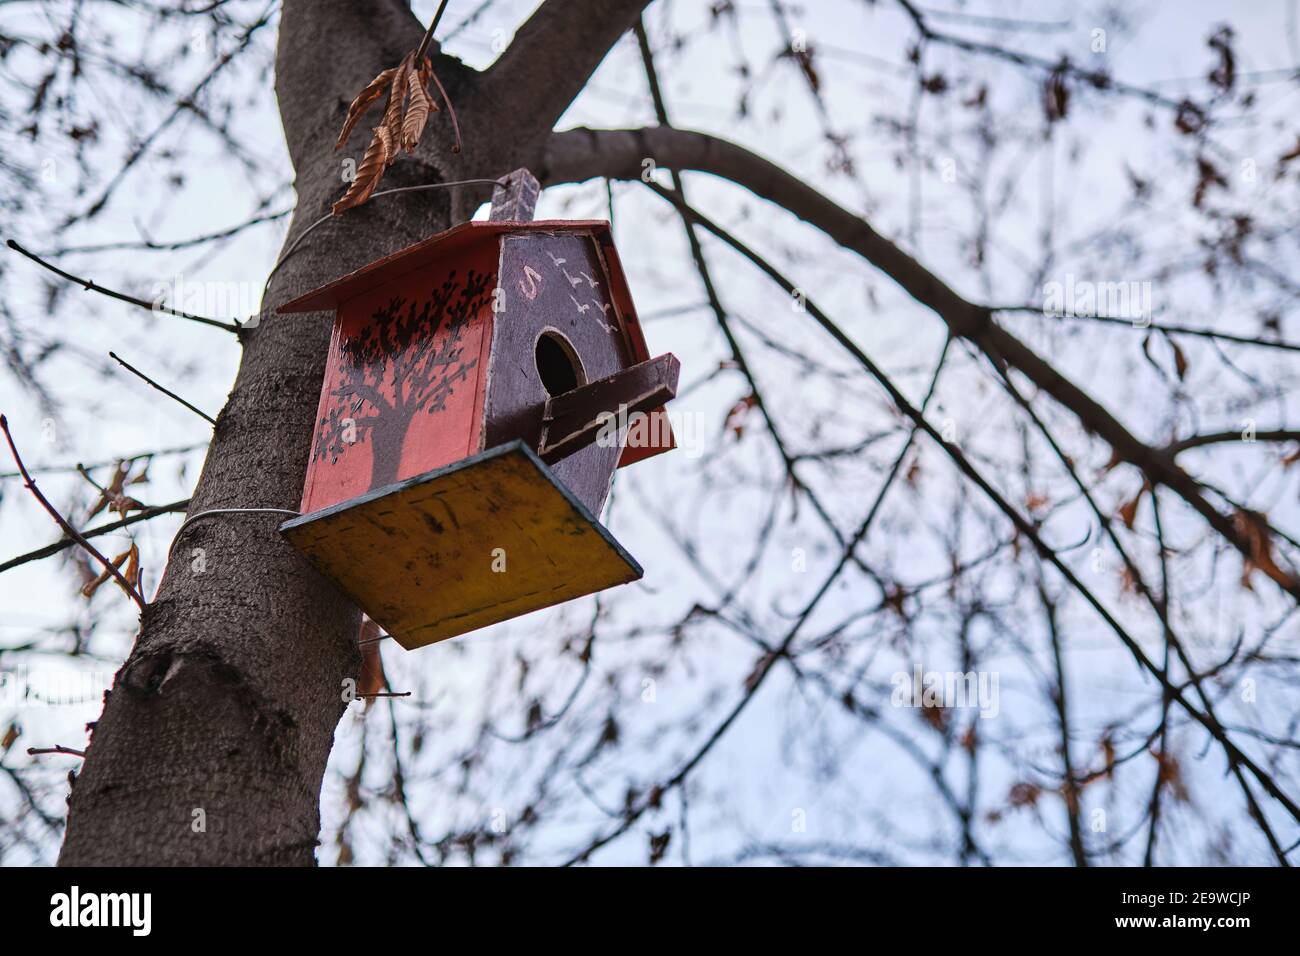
x: 554, y: 283
x: 418, y: 556
x: 404, y: 381
x: 467, y: 241
x: 432, y: 362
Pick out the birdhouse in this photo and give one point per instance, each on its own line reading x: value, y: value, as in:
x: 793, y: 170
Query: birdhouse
x: 482, y: 387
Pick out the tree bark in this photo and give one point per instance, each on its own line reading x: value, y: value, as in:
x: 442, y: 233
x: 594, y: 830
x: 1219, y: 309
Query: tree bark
x: 214, y: 739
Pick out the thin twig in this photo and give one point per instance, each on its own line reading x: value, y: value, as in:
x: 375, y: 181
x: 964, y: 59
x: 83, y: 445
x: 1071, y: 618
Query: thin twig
x: 451, y: 110
x: 144, y: 144
x: 128, y: 459
x: 81, y: 470
x: 56, y: 749
x: 1239, y: 435
x: 63, y: 522
x: 50, y: 822
x: 428, y: 34
x: 714, y: 300
x: 51, y: 549
x: 1097, y: 79
x: 90, y: 286
x: 420, y: 51
x: 1022, y: 524
x: 149, y: 245
x: 1149, y: 326
x: 168, y: 392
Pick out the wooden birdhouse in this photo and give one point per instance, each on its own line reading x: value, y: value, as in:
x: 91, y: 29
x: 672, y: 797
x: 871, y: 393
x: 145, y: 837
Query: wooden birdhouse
x: 481, y: 389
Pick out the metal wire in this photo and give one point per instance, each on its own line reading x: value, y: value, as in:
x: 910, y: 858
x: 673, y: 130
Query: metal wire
x: 224, y: 511
x: 383, y: 192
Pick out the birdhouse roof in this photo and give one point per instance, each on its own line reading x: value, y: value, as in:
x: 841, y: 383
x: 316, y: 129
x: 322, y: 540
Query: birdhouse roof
x: 461, y: 238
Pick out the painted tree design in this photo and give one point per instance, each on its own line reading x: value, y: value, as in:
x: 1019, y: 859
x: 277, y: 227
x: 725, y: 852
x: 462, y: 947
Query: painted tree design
x: 406, y: 360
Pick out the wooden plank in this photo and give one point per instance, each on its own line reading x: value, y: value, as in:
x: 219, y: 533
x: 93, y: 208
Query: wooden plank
x: 423, y: 557
x: 420, y: 254
x: 516, y: 201
x: 660, y: 427
x: 554, y: 285
x: 404, y: 379
x: 574, y: 420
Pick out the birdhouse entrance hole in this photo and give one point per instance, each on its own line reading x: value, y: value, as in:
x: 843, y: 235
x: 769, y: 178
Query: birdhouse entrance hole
x: 557, y: 364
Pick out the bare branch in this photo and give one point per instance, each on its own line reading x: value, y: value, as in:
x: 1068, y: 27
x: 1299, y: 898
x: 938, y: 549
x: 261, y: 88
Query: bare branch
x: 1022, y: 524
x: 1217, y: 438
x: 580, y: 154
x: 1154, y: 326
x: 72, y: 532
x: 90, y: 286
x: 166, y: 391
x: 554, y: 54
x: 63, y: 545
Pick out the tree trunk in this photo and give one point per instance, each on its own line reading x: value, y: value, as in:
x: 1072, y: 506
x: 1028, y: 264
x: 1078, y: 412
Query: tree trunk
x: 214, y: 739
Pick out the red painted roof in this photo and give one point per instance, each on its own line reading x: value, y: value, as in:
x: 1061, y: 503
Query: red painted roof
x: 453, y: 240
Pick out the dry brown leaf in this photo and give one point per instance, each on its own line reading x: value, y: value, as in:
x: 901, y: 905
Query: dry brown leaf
x: 1128, y: 582
x: 1024, y: 794
x: 10, y: 736
x: 735, y: 420
x: 1180, y: 361
x: 761, y: 667
x: 895, y: 599
x: 936, y: 717
x: 371, y: 170
x: 402, y: 123
x: 89, y: 589
x: 363, y: 102
x: 1128, y: 511
x: 1253, y: 527
x: 112, y: 495
x: 659, y: 845
x: 132, y: 570
x: 98, y: 506
x: 417, y: 113
x: 1108, y: 755
x: 913, y: 474
x: 426, y: 74
x: 1056, y: 93
x: 1170, y: 774
x: 123, y: 504
x: 397, y: 106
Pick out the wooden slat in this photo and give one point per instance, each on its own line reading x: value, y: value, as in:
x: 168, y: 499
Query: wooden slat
x: 573, y: 420
x: 440, y: 246
x: 417, y: 556
x: 516, y: 201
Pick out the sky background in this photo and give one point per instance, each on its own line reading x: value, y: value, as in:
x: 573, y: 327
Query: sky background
x: 791, y: 753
